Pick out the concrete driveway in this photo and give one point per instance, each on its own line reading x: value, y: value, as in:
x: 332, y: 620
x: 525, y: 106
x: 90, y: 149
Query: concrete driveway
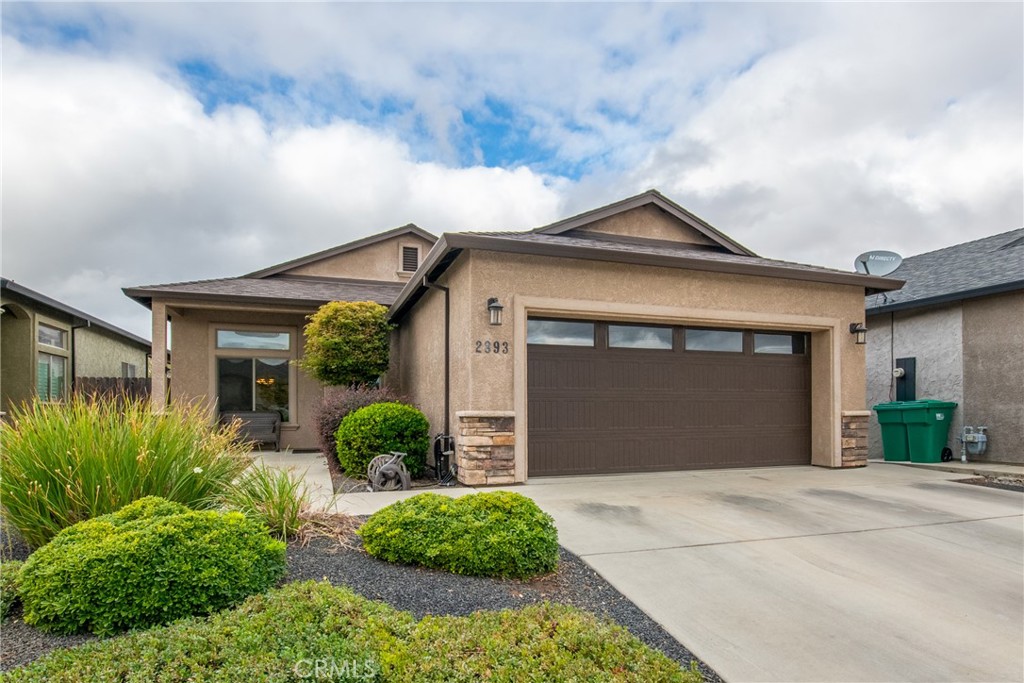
x: 886, y: 573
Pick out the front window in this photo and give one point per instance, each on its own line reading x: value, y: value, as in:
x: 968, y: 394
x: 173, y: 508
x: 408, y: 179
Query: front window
x: 253, y: 384
x: 255, y: 340
x: 51, y: 378
x: 52, y: 336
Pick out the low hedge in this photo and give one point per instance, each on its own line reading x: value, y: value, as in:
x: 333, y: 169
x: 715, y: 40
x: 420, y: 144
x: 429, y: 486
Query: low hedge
x: 149, y: 563
x: 313, y: 631
x: 10, y: 578
x: 498, y: 533
x: 381, y: 428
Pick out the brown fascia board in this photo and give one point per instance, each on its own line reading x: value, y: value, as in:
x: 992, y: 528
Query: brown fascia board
x: 436, y: 263
x: 349, y: 246
x: 663, y: 203
x: 145, y: 297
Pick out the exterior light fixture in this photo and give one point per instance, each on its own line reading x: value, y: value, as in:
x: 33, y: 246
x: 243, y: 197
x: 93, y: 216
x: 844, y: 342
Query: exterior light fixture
x: 495, y: 309
x: 860, y: 331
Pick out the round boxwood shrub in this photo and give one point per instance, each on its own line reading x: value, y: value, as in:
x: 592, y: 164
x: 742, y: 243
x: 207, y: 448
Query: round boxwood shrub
x: 381, y: 428
x: 149, y: 563
x: 498, y: 533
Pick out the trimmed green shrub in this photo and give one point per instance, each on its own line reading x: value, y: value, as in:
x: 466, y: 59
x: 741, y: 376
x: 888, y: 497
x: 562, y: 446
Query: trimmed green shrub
x: 347, y: 343
x: 10, y: 578
x: 277, y: 498
x: 339, y: 402
x: 381, y: 428
x: 288, y: 633
x: 151, y: 562
x: 498, y: 533
x: 67, y: 462
x: 543, y: 642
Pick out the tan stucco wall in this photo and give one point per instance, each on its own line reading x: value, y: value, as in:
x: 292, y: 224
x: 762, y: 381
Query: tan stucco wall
x: 17, y: 365
x: 993, y: 360
x: 597, y: 290
x: 192, y: 361
x: 98, y: 354
x: 932, y: 336
x: 648, y: 222
x: 378, y: 261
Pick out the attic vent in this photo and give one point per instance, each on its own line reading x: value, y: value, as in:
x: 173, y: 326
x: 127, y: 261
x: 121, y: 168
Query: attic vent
x: 410, y: 259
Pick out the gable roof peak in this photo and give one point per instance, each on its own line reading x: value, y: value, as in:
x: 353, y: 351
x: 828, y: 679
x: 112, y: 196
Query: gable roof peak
x: 341, y: 249
x: 648, y: 197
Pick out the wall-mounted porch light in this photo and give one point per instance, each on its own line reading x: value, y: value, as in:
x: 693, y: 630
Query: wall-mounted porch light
x: 860, y: 331
x: 495, y: 309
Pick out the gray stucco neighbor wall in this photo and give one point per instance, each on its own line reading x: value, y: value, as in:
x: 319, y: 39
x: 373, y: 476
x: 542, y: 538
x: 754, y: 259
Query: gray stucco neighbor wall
x: 971, y: 352
x: 994, y: 372
x: 935, y: 338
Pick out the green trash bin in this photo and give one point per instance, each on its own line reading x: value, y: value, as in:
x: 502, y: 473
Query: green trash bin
x: 927, y: 423
x: 895, y: 446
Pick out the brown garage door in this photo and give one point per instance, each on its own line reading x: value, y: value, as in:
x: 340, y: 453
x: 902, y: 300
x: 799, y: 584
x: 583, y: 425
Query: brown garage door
x: 608, y: 397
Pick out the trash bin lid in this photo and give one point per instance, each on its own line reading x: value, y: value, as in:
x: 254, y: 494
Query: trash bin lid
x: 894, y: 405
x: 933, y: 403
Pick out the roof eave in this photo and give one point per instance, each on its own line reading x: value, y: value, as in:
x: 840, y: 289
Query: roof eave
x: 451, y: 242
x: 1002, y: 288
x: 145, y: 297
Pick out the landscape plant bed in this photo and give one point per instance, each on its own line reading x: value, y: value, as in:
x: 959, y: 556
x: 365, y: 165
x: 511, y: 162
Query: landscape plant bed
x: 422, y: 592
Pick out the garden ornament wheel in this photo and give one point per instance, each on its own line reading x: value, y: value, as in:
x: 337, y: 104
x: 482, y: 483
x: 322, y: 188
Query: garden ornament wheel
x: 387, y: 472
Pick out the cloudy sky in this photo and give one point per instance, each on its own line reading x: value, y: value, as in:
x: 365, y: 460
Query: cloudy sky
x: 147, y: 143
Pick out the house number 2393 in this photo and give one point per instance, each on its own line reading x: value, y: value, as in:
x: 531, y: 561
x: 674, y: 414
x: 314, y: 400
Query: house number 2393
x: 491, y: 346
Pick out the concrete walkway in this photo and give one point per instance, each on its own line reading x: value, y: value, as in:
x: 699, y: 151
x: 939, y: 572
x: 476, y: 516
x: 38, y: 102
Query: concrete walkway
x: 885, y: 573
x: 971, y: 468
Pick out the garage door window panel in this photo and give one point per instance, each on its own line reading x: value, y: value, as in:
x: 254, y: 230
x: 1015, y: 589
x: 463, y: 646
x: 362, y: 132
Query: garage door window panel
x: 639, y: 337
x: 559, y: 333
x: 721, y: 341
x: 776, y: 343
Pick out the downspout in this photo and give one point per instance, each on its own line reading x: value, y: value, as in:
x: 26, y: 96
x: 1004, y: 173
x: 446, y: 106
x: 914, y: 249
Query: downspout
x: 74, y: 354
x: 447, y: 353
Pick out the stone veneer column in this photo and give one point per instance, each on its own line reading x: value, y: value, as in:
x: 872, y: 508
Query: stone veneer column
x: 855, y: 437
x: 485, y: 447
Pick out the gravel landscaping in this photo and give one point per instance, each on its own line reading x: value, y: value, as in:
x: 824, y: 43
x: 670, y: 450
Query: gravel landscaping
x: 416, y: 590
x: 1005, y: 482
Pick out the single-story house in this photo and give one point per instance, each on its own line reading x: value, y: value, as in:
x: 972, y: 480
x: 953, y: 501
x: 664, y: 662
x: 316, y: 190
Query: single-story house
x: 633, y: 337
x: 956, y: 329
x: 46, y: 346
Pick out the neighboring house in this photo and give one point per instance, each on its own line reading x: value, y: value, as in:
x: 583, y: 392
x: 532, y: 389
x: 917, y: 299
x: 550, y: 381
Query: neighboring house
x: 634, y: 337
x: 957, y: 327
x: 45, y: 345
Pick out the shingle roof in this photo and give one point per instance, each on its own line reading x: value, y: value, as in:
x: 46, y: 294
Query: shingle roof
x: 597, y: 241
x: 294, y: 289
x: 986, y: 266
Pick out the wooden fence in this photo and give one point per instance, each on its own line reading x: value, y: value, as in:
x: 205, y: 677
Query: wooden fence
x: 131, y: 387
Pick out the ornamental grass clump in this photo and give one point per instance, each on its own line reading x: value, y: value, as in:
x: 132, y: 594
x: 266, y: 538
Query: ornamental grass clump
x: 498, y: 533
x: 67, y: 462
x: 277, y: 498
x: 149, y: 563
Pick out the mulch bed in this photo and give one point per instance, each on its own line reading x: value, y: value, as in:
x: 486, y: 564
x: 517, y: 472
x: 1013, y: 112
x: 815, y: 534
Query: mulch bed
x: 413, y: 589
x: 1004, y: 483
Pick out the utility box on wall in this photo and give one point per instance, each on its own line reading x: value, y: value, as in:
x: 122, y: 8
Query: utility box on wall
x: 906, y: 381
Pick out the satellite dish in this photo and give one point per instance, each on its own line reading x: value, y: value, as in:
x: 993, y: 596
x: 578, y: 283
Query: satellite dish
x: 877, y: 262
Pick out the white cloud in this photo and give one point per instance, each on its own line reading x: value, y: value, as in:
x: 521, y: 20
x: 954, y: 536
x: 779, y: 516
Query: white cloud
x: 114, y: 177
